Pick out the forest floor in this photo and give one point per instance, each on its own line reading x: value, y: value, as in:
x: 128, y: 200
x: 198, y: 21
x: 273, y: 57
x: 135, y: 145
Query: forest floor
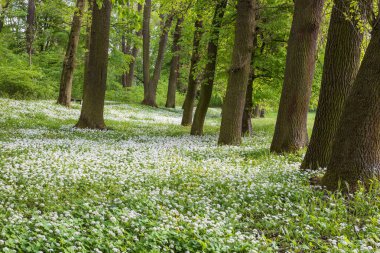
x: 147, y: 186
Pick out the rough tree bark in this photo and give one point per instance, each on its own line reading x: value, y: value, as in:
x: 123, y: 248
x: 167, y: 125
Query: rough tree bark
x: 188, y: 104
x: 291, y: 126
x: 66, y: 84
x: 342, y: 60
x: 146, y: 45
x: 174, y: 66
x: 356, y: 149
x: 150, y: 95
x: 30, y: 29
x: 209, y: 74
x: 94, y: 93
x: 234, y: 101
x: 135, y: 51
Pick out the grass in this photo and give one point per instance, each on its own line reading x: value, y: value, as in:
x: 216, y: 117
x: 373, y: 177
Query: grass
x: 147, y: 186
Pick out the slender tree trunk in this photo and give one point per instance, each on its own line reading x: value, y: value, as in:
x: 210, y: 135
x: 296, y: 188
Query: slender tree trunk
x: 30, y: 29
x: 135, y: 51
x: 150, y: 97
x: 291, y: 126
x: 342, y: 59
x: 146, y: 45
x: 356, y: 149
x: 247, y: 129
x: 125, y: 50
x: 233, y: 106
x: 2, y: 15
x: 257, y: 111
x: 209, y: 75
x: 66, y: 84
x: 88, y: 42
x: 174, y: 66
x: 191, y: 93
x: 3, y: 6
x: 95, y: 88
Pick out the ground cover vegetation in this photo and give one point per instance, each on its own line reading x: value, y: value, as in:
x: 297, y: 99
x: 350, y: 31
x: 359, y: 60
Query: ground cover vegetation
x: 189, y: 126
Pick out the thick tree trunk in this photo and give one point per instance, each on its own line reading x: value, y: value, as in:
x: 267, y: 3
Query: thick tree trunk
x: 146, y: 45
x: 191, y: 93
x: 209, y: 75
x: 94, y: 93
x: 135, y: 51
x: 30, y: 29
x: 291, y: 126
x: 233, y: 106
x: 356, y: 149
x: 342, y: 59
x: 66, y: 84
x: 150, y: 96
x: 174, y: 66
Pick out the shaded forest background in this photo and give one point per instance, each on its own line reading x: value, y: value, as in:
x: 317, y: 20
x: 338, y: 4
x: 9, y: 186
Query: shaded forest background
x: 40, y: 80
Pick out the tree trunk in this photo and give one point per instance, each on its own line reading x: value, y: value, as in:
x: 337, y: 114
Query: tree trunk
x: 174, y: 66
x: 135, y: 51
x: 125, y: 50
x: 342, y: 59
x: 209, y: 75
x: 247, y: 129
x: 191, y: 93
x: 3, y: 6
x: 146, y: 45
x: 262, y: 113
x: 291, y: 126
x: 30, y: 29
x: 94, y: 93
x: 233, y: 106
x: 150, y: 96
x: 256, y: 114
x: 88, y: 41
x: 356, y: 148
x: 66, y: 84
